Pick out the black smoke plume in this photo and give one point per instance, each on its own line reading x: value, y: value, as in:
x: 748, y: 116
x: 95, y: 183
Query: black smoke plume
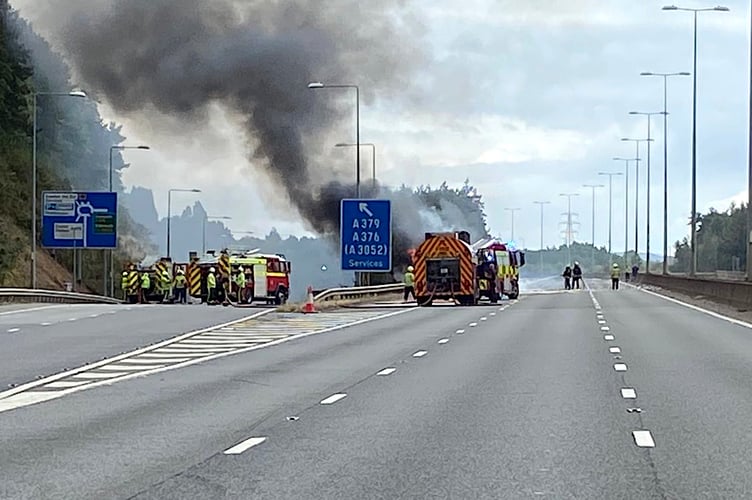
x: 255, y: 57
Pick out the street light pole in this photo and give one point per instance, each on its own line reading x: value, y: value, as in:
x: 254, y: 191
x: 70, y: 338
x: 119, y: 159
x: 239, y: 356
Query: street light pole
x: 647, y: 216
x: 108, y: 255
x: 169, y: 211
x: 637, y: 189
x: 34, y: 177
x: 512, y: 210
x: 610, y: 200
x: 592, y: 250
x: 319, y: 85
x: 693, y: 235
x: 665, y: 158
x: 541, y: 203
x: 626, y: 203
x: 373, y: 159
x: 203, y: 229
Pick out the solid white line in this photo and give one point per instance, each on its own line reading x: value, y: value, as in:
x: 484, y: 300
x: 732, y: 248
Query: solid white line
x: 159, y: 354
x: 333, y: 398
x: 190, y: 350
x: 387, y: 371
x: 419, y: 354
x: 460, y: 332
x: 628, y: 393
x: 19, y: 311
x: 608, y: 337
x: 127, y: 376
x: 643, y: 439
x: 443, y: 341
x: 620, y: 367
x: 473, y: 324
x: 699, y: 309
x: 614, y: 350
x: 152, y: 361
x: 14, y: 330
x: 244, y: 445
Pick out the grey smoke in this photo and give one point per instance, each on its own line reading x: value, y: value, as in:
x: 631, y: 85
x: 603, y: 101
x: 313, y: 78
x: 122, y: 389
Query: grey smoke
x: 255, y: 57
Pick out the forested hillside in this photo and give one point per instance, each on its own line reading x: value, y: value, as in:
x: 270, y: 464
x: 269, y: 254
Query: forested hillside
x: 73, y: 145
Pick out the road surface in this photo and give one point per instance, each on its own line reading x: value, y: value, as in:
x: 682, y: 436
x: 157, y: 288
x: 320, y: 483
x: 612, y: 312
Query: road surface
x: 523, y: 400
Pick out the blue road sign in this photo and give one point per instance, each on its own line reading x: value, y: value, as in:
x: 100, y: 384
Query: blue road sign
x: 80, y: 220
x: 366, y: 235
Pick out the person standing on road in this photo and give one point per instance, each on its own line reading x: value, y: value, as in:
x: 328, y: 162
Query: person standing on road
x: 576, y: 275
x: 409, y: 282
x: 635, y: 268
x: 211, y: 287
x: 179, y: 283
x: 567, y: 278
x: 615, y: 274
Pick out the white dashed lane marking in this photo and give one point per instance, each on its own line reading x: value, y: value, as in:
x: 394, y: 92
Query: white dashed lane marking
x: 14, y: 330
x: 473, y: 324
x: 443, y: 341
x: 333, y: 398
x: 614, y: 350
x: 460, y: 332
x: 620, y: 367
x: 420, y: 354
x: 245, y: 445
x: 608, y: 337
x: 628, y: 393
x: 643, y: 439
x: 386, y: 371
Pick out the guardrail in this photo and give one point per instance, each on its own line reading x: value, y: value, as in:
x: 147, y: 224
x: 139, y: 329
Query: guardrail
x: 34, y: 295
x: 353, y: 292
x: 732, y: 292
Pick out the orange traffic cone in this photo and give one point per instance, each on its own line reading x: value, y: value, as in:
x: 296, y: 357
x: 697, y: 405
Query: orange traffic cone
x: 309, y: 306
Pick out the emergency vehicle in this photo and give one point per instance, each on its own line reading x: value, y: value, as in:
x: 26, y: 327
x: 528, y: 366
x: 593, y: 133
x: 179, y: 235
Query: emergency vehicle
x: 267, y: 276
x: 498, y: 269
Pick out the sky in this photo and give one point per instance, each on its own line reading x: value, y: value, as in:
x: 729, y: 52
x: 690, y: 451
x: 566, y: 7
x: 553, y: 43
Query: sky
x: 528, y: 100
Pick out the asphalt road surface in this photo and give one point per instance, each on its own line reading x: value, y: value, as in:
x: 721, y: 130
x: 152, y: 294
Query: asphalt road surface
x: 39, y: 339
x: 524, y: 400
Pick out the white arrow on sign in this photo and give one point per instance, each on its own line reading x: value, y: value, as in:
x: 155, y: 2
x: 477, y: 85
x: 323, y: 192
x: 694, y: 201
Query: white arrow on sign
x: 363, y: 207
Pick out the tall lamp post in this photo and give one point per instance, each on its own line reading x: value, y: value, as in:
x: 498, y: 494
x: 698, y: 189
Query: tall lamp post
x: 647, y: 215
x: 203, y: 229
x: 373, y: 158
x: 665, y: 77
x: 592, y: 250
x: 512, y: 210
x: 541, y: 203
x: 109, y: 269
x: 169, y: 211
x: 34, y: 177
x: 610, y: 213
x: 719, y: 8
x: 637, y: 189
x: 319, y: 85
x: 626, y: 203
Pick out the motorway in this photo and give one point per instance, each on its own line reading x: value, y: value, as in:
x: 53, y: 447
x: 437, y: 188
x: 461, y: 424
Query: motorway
x: 582, y: 394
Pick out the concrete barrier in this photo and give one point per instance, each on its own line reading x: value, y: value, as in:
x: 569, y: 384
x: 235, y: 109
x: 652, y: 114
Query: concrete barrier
x: 732, y: 292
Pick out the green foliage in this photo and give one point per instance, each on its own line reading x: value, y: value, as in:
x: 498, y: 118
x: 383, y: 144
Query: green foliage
x: 73, y: 143
x: 593, y: 261
x: 721, y: 242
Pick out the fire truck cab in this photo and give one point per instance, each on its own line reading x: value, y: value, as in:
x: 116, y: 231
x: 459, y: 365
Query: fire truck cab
x: 498, y: 269
x: 267, y: 277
